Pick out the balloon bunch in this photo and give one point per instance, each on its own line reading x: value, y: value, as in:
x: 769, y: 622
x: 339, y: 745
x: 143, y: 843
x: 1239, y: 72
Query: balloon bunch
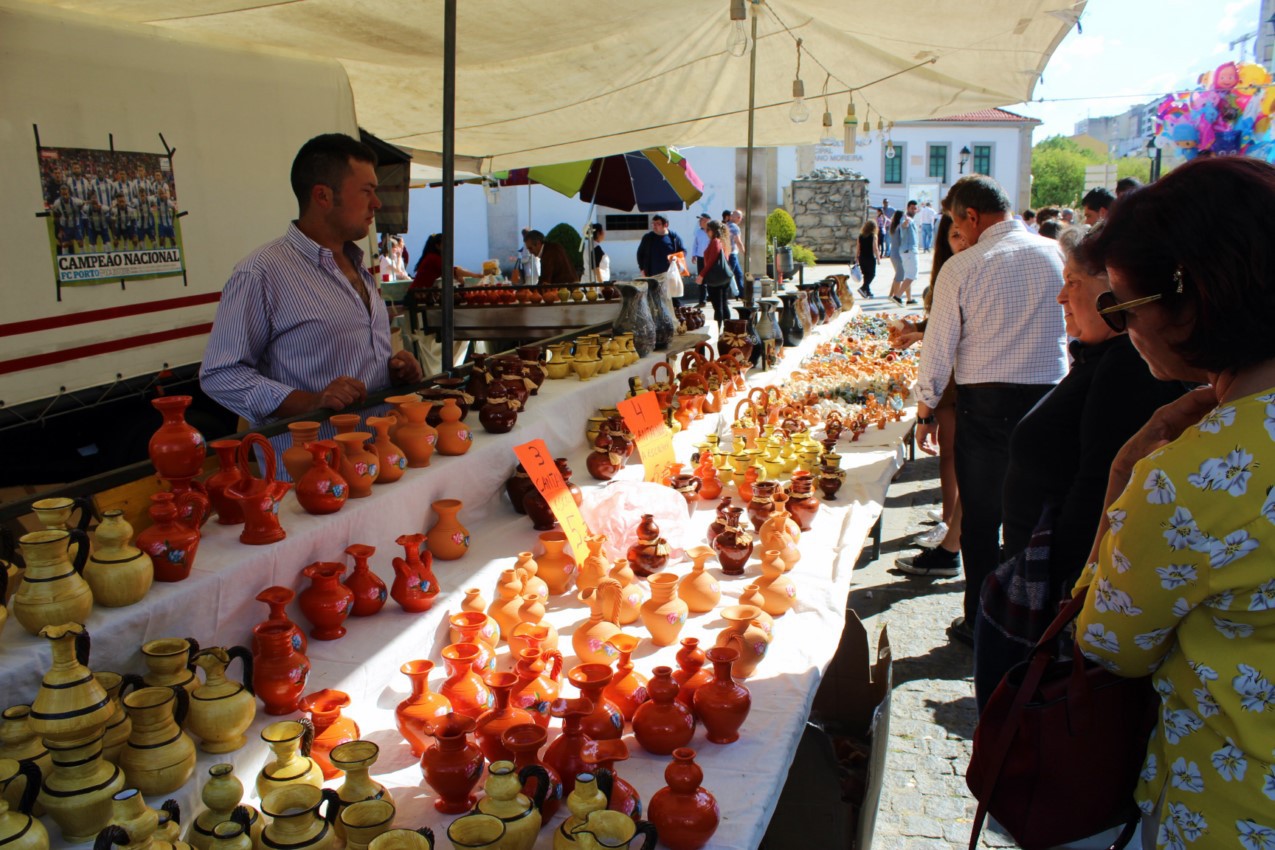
x: 1229, y: 114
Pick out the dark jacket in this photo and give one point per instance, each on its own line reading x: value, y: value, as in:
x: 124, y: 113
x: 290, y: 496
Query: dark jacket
x: 653, y: 251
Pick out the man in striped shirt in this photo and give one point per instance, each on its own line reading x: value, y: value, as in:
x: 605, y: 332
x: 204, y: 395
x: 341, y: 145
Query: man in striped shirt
x: 301, y: 324
x: 996, y: 329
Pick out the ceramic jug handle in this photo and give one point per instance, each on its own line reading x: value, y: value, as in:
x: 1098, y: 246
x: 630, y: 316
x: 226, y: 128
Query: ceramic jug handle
x: 183, y: 703
x: 81, y: 556
x: 193, y: 650
x: 428, y: 835
x: 646, y: 829
x: 130, y: 682
x: 242, y: 815
x: 173, y: 808
x: 83, y: 646
x: 606, y: 781
x: 242, y: 653
x: 87, y: 512
x: 555, y: 666
x: 4, y: 582
x: 198, y: 506
x: 113, y: 834
x: 307, y: 735
x: 7, y: 550
x: 31, y: 771
x: 333, y: 800
x: 542, y: 783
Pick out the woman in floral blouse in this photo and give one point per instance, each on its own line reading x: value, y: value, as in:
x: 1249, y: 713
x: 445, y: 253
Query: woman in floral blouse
x: 1182, y: 577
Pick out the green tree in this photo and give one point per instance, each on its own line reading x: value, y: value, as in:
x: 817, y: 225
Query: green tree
x: 1058, y: 176
x: 569, y: 238
x: 780, y: 227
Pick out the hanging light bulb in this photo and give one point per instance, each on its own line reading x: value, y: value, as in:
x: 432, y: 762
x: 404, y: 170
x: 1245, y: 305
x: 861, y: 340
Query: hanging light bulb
x: 798, y: 113
x: 851, y: 127
x: 738, y: 41
x: 889, y: 150
x: 827, y: 139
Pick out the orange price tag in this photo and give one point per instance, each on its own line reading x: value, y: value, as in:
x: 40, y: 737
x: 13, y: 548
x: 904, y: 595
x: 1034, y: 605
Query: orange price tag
x: 654, y: 439
x: 536, y: 458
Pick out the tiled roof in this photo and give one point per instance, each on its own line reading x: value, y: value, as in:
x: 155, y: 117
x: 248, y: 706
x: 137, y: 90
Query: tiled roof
x: 988, y: 116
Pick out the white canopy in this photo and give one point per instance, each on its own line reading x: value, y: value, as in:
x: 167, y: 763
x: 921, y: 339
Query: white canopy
x: 541, y: 82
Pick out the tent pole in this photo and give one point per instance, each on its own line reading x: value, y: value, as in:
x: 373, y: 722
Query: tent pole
x: 447, y: 332
x: 748, y: 174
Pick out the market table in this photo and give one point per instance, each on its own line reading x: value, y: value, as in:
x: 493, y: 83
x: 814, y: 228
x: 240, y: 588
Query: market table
x: 217, y: 604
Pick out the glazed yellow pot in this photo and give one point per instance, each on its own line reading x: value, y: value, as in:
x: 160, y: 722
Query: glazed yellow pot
x: 77, y: 792
x: 221, y: 794
x: 19, y: 743
x: 52, y: 591
x: 118, y: 572
x: 119, y: 725
x: 504, y: 800
x: 159, y: 757
x: 168, y: 663
x: 477, y: 832
x: 70, y: 704
x: 404, y: 839
x: 362, y: 822
x: 586, y: 368
x: 221, y: 710
x: 581, y: 802
x: 290, y: 742
x: 355, y: 759
x: 19, y: 829
x: 295, y: 819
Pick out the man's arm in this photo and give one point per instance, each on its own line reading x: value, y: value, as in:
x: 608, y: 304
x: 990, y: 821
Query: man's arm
x: 643, y: 253
x: 737, y: 242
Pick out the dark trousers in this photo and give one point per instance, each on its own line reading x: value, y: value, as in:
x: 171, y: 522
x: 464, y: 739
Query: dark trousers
x: 699, y: 271
x: 738, y: 272
x: 718, y: 295
x: 985, y: 416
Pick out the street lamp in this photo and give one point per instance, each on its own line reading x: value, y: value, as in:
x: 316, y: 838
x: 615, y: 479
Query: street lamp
x: 965, y: 158
x: 1154, y: 153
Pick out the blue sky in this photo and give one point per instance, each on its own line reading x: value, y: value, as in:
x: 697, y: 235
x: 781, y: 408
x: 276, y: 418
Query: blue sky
x: 1135, y: 48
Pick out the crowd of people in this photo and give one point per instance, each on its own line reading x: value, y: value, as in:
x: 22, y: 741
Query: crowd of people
x: 1101, y: 390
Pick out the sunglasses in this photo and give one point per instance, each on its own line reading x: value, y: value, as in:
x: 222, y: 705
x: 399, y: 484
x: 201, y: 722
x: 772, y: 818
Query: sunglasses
x: 1113, y: 311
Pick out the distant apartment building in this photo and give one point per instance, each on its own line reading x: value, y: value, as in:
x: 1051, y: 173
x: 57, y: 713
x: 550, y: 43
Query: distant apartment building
x: 1264, y: 48
x: 1125, y: 134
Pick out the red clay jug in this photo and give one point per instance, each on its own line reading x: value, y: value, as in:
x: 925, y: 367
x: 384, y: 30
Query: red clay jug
x: 565, y: 754
x: 331, y: 728
x: 722, y: 704
x: 228, y: 510
x: 453, y: 764
x: 177, y: 449
x: 691, y: 672
x: 414, y: 585
x: 606, y: 721
x: 259, y: 497
x: 464, y: 688
x: 662, y: 724
x: 369, y: 591
x: 277, y: 599
x: 417, y: 714
x: 539, y: 675
x: 279, y: 670
x: 322, y: 489
x: 172, y: 540
x: 492, y: 723
x: 685, y: 815
x: 326, y: 602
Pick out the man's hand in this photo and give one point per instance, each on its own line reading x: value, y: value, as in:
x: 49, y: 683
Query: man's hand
x: 343, y: 392
x: 404, y: 369
x: 927, y: 437
x: 905, y: 339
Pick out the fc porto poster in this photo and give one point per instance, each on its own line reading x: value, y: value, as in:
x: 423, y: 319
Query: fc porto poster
x: 112, y: 215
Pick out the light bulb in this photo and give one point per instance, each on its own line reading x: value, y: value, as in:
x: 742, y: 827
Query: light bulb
x: 738, y: 42
x: 889, y: 150
x: 827, y: 139
x: 851, y: 127
x: 798, y: 113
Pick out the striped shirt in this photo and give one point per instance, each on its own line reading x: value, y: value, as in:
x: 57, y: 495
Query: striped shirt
x: 995, y: 317
x: 290, y: 320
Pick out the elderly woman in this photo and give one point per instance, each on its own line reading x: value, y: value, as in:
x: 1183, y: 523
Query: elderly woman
x: 1061, y: 451
x: 1182, y: 579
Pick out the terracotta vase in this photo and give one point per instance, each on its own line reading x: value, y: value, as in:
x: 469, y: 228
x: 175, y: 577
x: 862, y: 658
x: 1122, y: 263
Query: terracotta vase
x: 698, y: 589
x: 19, y: 828
x: 159, y: 757
x: 331, y: 728
x: 326, y: 602
x: 77, y: 793
x: 296, y: 459
x: 534, y: 632
x: 775, y: 536
x: 473, y: 603
x: 168, y: 663
x: 280, y: 670
x: 322, y: 489
x: 259, y: 497
x: 346, y: 423
x: 722, y: 704
x: 491, y: 724
x: 631, y: 593
x: 778, y: 592
x: 21, y: 744
x: 369, y: 591
x: 555, y: 566
x: 504, y: 799
x: 627, y: 688
x: 745, y: 636
x: 228, y: 510
x: 359, y: 467
x: 221, y: 710
x: 539, y: 675
x: 464, y: 688
x: 454, y: 437
x: 415, y: 585
x: 691, y: 672
x: 662, y: 724
x: 415, y: 715
x: 601, y: 756
x: 710, y: 486
x: 289, y: 742
x: 734, y: 545
x: 664, y: 613
x: 355, y: 759
x: 447, y: 539
x: 391, y: 460
x: 118, y: 573
x: 397, y: 413
x: 589, y: 640
x: 565, y: 754
x: 277, y: 599
x: 606, y: 721
x: 416, y: 436
x: 295, y: 819
x: 528, y: 572
x: 453, y: 764
x: 595, y: 566
x: 525, y: 741
x: 172, y: 541
x: 468, y: 627
x: 685, y: 815
x: 177, y: 449
x: 70, y: 704
x: 650, y: 553
x: 221, y: 794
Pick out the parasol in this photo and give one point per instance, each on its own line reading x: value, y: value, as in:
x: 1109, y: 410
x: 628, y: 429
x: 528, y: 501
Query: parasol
x: 650, y: 180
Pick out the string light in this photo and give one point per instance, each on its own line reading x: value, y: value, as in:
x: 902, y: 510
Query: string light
x: 827, y: 139
x: 851, y: 127
x: 798, y: 113
x: 738, y: 40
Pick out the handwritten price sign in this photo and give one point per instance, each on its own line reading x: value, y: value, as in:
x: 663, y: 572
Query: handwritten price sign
x: 654, y: 440
x: 538, y: 461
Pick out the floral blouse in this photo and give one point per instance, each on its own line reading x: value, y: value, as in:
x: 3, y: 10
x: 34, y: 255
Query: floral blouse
x: 1184, y: 590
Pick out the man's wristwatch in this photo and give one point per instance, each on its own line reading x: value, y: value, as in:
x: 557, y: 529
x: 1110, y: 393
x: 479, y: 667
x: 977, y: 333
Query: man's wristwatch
x: 926, y: 420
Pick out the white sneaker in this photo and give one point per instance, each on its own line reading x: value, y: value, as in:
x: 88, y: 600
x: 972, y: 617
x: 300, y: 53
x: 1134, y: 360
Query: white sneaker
x: 935, y: 514
x: 933, y: 537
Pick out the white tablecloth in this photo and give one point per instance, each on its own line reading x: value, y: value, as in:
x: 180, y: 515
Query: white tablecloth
x: 216, y: 604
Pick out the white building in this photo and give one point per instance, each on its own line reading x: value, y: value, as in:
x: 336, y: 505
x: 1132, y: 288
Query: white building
x: 928, y: 157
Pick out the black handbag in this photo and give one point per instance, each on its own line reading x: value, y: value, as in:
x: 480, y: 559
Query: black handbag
x: 718, y: 274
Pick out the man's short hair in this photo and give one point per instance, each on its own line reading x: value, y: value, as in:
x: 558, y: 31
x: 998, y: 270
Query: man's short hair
x: 910, y: 204
x: 1044, y: 214
x: 725, y: 214
x: 1052, y: 228
x: 1028, y: 215
x: 533, y: 236
x: 1099, y: 198
x: 1127, y: 185
x: 658, y: 217
x: 976, y: 192
x: 325, y: 161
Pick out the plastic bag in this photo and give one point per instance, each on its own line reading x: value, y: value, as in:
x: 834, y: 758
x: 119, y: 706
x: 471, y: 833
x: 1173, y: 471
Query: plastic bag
x: 856, y: 273
x: 616, y: 509
x: 673, y: 282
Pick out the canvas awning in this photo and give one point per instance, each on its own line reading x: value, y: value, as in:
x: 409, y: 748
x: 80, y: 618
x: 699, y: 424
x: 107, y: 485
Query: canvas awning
x: 545, y: 83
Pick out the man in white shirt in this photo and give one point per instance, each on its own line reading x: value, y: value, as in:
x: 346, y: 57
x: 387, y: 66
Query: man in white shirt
x: 996, y: 329
x: 926, y: 217
x: 698, y: 246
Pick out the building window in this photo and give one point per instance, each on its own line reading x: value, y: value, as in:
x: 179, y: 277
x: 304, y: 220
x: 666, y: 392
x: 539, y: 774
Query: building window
x: 640, y: 223
x: 1268, y: 52
x: 938, y: 162
x: 982, y: 160
x: 892, y: 170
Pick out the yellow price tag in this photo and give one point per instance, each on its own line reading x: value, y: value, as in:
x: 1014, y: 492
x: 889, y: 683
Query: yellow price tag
x: 654, y: 439
x: 537, y: 460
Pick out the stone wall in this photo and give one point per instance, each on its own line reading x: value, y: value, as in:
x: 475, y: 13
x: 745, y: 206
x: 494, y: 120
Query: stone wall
x: 829, y: 205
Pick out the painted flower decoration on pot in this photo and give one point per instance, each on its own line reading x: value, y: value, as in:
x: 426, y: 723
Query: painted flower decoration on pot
x: 465, y: 435
x: 338, y: 490
x: 361, y: 468
x: 675, y: 618
x: 460, y: 539
x: 176, y: 556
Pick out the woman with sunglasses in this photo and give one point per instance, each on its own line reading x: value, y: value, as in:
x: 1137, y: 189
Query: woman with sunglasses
x: 1060, y: 455
x: 1181, y: 584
